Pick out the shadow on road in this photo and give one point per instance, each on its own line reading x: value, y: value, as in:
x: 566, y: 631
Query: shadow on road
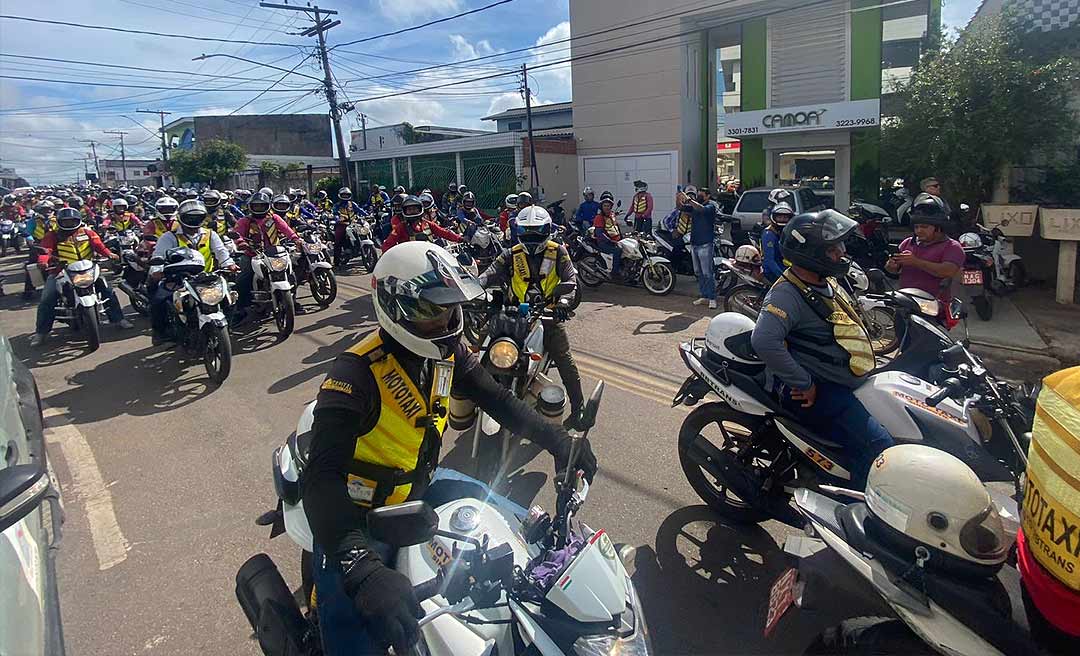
x: 143, y: 382
x: 676, y: 323
x: 706, y: 586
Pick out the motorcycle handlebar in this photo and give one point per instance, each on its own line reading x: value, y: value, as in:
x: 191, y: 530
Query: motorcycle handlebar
x: 951, y: 385
x: 427, y: 589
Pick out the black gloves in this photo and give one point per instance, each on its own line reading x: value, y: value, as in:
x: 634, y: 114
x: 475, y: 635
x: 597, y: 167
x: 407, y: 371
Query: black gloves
x: 585, y: 458
x: 385, y: 600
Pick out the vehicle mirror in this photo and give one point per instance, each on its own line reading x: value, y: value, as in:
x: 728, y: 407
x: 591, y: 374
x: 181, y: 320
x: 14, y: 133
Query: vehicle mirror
x: 964, y: 207
x: 954, y: 356
x: 876, y: 278
x: 22, y: 488
x: 592, y: 408
x: 996, y: 232
x: 404, y: 524
x: 956, y: 309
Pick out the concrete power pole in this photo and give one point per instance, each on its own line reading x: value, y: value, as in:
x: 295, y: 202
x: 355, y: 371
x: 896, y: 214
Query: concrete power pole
x: 164, y: 144
x: 528, y: 118
x: 319, y: 30
x: 93, y: 149
x: 123, y: 155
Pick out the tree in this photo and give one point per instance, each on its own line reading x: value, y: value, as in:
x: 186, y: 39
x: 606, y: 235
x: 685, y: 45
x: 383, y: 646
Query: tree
x: 211, y: 162
x: 329, y: 185
x: 979, y: 103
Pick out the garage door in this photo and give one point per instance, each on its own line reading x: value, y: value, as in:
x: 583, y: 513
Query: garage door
x: 616, y: 173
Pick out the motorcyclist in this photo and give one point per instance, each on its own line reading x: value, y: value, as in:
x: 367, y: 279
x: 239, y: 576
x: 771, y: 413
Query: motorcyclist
x: 414, y: 225
x: 12, y: 211
x: 607, y: 232
x: 537, y: 263
x: 776, y: 196
x: 165, y: 209
x: 378, y: 199
x: 815, y: 347
x: 323, y: 202
x: 258, y: 230
x: 296, y: 214
x: 345, y: 212
x: 772, y: 261
x: 378, y: 423
x: 930, y: 259
x: 218, y: 219
x: 71, y: 242
x: 587, y: 211
x: 119, y: 218
x: 468, y: 214
x: 450, y: 198
x: 189, y: 233
x: 509, y: 206
x: 641, y: 207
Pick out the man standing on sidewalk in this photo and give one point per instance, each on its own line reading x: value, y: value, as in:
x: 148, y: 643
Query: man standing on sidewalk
x: 702, y: 231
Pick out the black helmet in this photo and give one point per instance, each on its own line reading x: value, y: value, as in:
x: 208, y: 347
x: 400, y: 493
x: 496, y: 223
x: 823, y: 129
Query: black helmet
x: 606, y: 195
x: 281, y: 203
x: 192, y: 214
x: 244, y: 195
x: 929, y: 210
x: 524, y: 199
x: 426, y: 201
x: 808, y: 237
x: 411, y: 208
x: 395, y: 202
x: 399, y: 190
x: 259, y: 204
x: 68, y: 219
x: 462, y: 189
x: 131, y: 200
x: 468, y: 200
x: 344, y: 193
x: 76, y: 202
x: 452, y: 187
x: 211, y: 199
x: 321, y: 195
x: 294, y: 195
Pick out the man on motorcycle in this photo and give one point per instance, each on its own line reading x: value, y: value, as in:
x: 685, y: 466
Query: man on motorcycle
x: 508, y: 208
x: 12, y: 211
x: 468, y: 213
x: 772, y: 261
x: 119, y: 218
x: 814, y: 345
x: 607, y: 231
x: 189, y: 233
x: 378, y: 200
x: 587, y: 211
x: 930, y: 259
x: 71, y: 242
x: 165, y: 208
x: 450, y: 198
x: 378, y: 425
x: 538, y: 263
x: 641, y: 207
x: 345, y: 212
x: 265, y: 229
x: 218, y: 219
x: 414, y: 225
x: 323, y: 202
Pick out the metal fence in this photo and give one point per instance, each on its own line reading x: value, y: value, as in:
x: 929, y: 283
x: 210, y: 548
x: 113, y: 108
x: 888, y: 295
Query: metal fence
x: 434, y: 172
x: 304, y: 178
x: 490, y: 175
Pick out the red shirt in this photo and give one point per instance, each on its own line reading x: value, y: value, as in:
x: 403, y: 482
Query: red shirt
x: 399, y: 232
x: 243, y: 229
x: 51, y: 239
x: 1055, y: 602
x: 14, y: 212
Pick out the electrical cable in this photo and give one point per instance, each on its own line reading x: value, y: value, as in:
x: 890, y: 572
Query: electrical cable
x: 145, y: 32
x: 423, y: 25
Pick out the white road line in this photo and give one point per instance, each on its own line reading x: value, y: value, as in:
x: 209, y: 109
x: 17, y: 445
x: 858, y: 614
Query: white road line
x: 109, y: 543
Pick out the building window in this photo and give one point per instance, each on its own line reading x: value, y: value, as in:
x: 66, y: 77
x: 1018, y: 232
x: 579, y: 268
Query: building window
x: 726, y: 43
x: 513, y: 125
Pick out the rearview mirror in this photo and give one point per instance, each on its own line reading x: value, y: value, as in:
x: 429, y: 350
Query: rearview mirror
x: 403, y: 525
x: 964, y: 207
x: 877, y: 278
x: 22, y: 488
x: 592, y: 408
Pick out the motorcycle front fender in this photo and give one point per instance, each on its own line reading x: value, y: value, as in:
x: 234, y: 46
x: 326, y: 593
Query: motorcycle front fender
x: 213, y: 317
x: 321, y: 264
x: 656, y: 259
x: 90, y: 300
x: 281, y: 285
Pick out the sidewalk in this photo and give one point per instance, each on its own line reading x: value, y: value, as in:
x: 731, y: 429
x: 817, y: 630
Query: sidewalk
x: 1057, y: 325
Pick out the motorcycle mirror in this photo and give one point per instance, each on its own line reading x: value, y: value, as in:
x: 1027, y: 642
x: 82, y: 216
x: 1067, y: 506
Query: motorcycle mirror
x: 956, y: 309
x: 964, y: 207
x: 876, y: 277
x: 404, y: 524
x: 588, y: 414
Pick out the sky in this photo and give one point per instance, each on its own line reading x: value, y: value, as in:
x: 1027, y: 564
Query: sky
x: 43, y: 124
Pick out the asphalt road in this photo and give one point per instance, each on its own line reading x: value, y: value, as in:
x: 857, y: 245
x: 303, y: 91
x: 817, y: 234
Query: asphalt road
x: 164, y: 475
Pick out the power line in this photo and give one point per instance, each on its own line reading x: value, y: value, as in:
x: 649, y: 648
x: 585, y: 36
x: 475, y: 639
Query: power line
x: 146, y: 32
x: 271, y: 87
x: 133, y: 68
x: 423, y: 25
x: 131, y: 86
x: 192, y: 15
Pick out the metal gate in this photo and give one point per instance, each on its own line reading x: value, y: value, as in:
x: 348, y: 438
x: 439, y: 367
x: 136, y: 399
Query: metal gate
x: 434, y: 172
x: 490, y: 175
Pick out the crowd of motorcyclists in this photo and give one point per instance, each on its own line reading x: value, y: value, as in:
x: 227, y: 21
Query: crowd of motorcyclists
x: 380, y: 412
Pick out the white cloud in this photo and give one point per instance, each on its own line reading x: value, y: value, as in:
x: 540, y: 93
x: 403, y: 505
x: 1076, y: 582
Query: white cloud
x: 463, y: 49
x: 409, y: 10
x: 552, y: 82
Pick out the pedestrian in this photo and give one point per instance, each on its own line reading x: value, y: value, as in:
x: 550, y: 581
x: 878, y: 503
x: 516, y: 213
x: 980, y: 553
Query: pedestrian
x: 930, y: 259
x: 702, y: 231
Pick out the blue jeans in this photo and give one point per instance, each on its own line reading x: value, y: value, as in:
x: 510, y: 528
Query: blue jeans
x: 837, y: 414
x: 343, y: 631
x: 50, y: 294
x: 702, y: 257
x: 605, y: 245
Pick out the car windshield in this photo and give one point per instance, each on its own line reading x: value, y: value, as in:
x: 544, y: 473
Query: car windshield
x: 753, y: 201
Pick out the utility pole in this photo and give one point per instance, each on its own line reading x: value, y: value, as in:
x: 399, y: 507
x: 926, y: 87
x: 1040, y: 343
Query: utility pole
x: 93, y: 149
x: 164, y: 144
x: 528, y: 119
x: 363, y: 128
x: 319, y: 29
x: 123, y: 155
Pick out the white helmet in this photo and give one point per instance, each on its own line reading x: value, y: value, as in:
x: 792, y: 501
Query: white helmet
x: 781, y: 213
x: 166, y: 206
x: 418, y: 282
x: 727, y: 343
x: 747, y: 255
x: 778, y: 196
x: 533, y: 229
x: 922, y: 497
x: 970, y: 240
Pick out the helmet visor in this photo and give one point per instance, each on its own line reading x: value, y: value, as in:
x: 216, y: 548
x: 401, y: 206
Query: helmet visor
x: 836, y: 227
x: 983, y: 536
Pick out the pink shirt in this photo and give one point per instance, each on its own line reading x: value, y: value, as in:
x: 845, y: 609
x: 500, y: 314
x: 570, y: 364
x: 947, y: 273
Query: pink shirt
x: 947, y: 250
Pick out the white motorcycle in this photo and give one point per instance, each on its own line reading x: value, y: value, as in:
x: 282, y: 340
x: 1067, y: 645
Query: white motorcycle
x: 640, y: 263
x: 272, y: 287
x: 491, y: 577
x: 80, y: 306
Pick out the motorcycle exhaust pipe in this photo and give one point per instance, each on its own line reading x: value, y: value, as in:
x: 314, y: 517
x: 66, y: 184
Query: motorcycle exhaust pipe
x: 270, y: 608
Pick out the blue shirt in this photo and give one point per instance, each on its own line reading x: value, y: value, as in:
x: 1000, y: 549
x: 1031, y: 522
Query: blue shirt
x: 703, y: 224
x: 586, y: 212
x: 772, y: 261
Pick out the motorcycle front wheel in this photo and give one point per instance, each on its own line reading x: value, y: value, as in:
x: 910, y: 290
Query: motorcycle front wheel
x: 744, y: 299
x: 588, y: 271
x: 881, y: 324
x: 658, y: 278
x: 323, y: 287
x: 284, y: 313
x: 217, y: 353
x: 370, y: 259
x: 88, y: 321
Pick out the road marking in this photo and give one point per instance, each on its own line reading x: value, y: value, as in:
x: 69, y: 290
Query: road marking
x: 109, y: 543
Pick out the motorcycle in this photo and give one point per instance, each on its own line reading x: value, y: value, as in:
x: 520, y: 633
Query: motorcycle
x: 80, y: 306
x: 482, y: 244
x: 871, y: 247
x: 764, y: 453
x: 10, y: 236
x: 273, y: 287
x: 1009, y: 272
x: 746, y: 287
x: 196, y: 318
x: 641, y: 263
x: 312, y: 266
x: 359, y: 241
x: 977, y: 277
x: 480, y: 565
x: 925, y: 610
x: 133, y: 270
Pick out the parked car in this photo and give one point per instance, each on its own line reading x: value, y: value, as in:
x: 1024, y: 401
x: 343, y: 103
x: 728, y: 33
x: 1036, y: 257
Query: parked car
x: 30, y: 519
x: 753, y: 201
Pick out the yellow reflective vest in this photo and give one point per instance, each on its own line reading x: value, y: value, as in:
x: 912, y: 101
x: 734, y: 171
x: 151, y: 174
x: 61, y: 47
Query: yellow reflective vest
x: 201, y: 244
x: 76, y: 247
x: 404, y: 445
x: 848, y: 328
x: 520, y: 276
x: 1050, y: 515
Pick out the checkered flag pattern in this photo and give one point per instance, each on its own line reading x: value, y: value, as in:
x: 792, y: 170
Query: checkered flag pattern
x: 1050, y: 15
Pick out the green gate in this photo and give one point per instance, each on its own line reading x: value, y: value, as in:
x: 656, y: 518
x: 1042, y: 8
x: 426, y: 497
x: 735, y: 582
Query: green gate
x: 375, y: 171
x: 402, y: 164
x: 434, y: 172
x: 490, y: 175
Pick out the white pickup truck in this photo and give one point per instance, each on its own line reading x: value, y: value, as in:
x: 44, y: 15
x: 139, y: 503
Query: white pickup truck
x: 753, y: 201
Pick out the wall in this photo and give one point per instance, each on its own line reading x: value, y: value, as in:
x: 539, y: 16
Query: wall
x: 387, y: 136
x: 541, y: 121
x: 276, y: 134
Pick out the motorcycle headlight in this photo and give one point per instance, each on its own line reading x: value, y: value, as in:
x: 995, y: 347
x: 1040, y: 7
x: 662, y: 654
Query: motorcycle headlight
x: 279, y: 263
x: 84, y: 279
x: 503, y: 354
x: 210, y: 294
x: 929, y: 307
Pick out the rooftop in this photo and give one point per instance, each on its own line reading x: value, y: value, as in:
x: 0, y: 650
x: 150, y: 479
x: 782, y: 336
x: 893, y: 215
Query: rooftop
x: 517, y: 112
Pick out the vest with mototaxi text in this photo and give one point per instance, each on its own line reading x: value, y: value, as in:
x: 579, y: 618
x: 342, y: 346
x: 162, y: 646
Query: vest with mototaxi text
x: 521, y: 275
x: 848, y: 329
x: 200, y: 243
x: 74, y: 247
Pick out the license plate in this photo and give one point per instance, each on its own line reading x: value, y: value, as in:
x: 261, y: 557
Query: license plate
x: 781, y: 597
x: 973, y: 277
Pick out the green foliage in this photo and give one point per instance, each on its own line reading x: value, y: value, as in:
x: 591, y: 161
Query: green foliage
x: 270, y: 169
x: 211, y: 162
x: 1054, y: 186
x: 329, y: 185
x: 978, y: 104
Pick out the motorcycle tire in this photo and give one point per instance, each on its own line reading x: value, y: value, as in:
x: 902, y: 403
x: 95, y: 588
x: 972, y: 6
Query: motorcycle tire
x: 88, y: 321
x: 3, y: 250
x: 715, y: 495
x: 323, y: 287
x: 489, y: 457
x: 370, y: 260
x: 475, y: 326
x: 881, y: 324
x: 1017, y: 273
x: 217, y: 353
x: 586, y: 268
x: 984, y: 307
x: 285, y: 314
x: 744, y: 299
x: 864, y: 636
x: 140, y: 303
x: 659, y: 279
